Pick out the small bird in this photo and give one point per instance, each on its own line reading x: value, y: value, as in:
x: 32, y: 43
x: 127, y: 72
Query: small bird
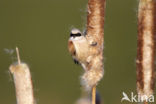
x: 78, y: 47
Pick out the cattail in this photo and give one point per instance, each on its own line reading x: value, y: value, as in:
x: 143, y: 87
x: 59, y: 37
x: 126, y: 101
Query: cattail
x: 87, y: 49
x: 23, y: 83
x: 146, y: 47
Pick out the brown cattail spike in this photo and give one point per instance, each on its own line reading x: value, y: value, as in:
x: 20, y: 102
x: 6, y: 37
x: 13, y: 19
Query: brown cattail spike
x: 146, y: 46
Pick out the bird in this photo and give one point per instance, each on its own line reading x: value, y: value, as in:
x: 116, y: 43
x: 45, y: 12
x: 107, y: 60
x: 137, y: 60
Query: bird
x: 78, y: 47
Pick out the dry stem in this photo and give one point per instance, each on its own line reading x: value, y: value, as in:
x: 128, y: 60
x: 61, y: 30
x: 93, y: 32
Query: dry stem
x: 94, y: 95
x: 18, y: 56
x: 146, y: 46
x: 23, y: 83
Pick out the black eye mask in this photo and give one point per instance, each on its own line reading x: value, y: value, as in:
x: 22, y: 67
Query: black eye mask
x: 75, y: 35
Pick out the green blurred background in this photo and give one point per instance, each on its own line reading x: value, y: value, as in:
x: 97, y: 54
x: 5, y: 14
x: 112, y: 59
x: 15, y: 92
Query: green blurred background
x: 40, y: 28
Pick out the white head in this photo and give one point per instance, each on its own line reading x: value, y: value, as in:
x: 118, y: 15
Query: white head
x: 75, y: 33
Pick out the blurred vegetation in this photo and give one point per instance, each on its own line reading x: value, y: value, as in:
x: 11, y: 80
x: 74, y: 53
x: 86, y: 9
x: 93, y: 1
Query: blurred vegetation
x: 40, y: 28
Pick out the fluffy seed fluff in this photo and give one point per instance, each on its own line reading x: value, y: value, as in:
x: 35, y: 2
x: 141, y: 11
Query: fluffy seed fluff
x: 91, y: 78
